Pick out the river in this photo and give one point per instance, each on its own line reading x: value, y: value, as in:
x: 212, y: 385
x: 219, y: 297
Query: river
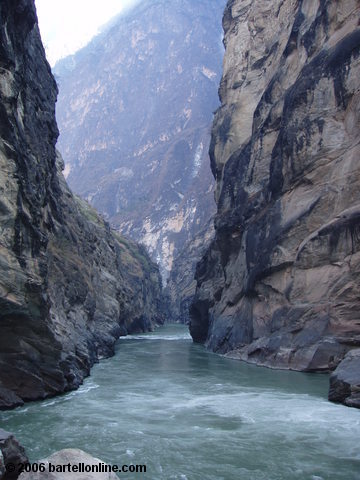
x: 189, y: 414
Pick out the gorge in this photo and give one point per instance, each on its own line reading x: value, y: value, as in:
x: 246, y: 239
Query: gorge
x: 277, y: 285
x: 134, y: 110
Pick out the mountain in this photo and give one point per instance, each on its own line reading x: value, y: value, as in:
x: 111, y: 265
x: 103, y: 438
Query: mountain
x: 69, y: 286
x: 135, y: 110
x: 279, y: 285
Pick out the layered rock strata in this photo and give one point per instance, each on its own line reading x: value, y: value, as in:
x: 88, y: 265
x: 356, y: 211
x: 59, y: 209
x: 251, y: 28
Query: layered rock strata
x: 69, y: 286
x: 279, y: 285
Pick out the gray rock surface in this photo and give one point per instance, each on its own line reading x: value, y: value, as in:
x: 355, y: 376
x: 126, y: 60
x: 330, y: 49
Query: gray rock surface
x: 181, y: 285
x: 8, y: 399
x: 135, y: 109
x: 70, y: 456
x: 345, y: 380
x: 69, y: 286
x: 11, y: 452
x: 279, y: 285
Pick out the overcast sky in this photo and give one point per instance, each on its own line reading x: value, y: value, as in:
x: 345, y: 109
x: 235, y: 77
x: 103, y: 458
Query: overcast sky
x: 67, y: 25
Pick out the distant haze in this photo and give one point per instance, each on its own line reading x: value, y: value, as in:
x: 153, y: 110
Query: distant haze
x: 68, y: 25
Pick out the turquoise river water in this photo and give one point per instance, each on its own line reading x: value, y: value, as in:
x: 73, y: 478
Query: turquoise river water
x: 188, y: 414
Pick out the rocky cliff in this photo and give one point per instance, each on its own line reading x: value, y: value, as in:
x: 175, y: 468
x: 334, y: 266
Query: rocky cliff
x: 69, y: 286
x: 279, y: 285
x: 134, y: 111
x: 181, y: 286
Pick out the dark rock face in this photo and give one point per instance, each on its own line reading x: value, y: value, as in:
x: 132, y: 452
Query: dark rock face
x: 8, y: 399
x: 181, y: 285
x: 68, y: 285
x: 134, y: 111
x: 11, y: 453
x: 345, y: 381
x: 279, y: 284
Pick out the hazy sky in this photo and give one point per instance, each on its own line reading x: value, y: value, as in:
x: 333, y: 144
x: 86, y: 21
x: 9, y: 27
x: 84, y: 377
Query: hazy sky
x: 67, y: 25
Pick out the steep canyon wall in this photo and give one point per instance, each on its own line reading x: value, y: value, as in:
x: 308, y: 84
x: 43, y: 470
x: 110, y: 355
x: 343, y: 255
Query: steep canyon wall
x: 279, y: 285
x: 69, y: 286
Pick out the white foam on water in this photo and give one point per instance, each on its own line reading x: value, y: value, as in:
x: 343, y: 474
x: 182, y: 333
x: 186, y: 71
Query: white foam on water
x: 295, y: 417
x: 86, y: 388
x: 48, y: 403
x: 151, y: 336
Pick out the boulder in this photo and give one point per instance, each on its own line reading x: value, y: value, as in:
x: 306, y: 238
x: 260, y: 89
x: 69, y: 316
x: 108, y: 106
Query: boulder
x: 11, y: 452
x: 345, y: 381
x: 73, y: 457
x: 9, y: 399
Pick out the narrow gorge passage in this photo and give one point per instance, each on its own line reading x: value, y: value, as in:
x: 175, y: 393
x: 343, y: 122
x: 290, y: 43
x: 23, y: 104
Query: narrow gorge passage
x: 189, y: 414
